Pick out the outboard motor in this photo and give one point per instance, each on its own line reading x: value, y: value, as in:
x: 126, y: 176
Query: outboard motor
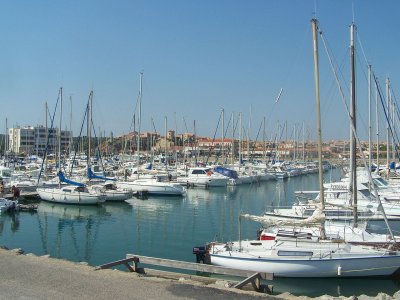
x: 201, y: 253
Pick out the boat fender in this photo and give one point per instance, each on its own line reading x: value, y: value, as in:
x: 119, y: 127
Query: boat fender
x: 339, y: 270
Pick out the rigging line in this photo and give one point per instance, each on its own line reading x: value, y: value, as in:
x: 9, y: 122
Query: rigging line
x: 353, y: 129
x: 255, y: 142
x: 227, y: 126
x: 339, y: 68
x: 80, y: 135
x: 154, y: 127
x: 98, y: 149
x: 225, y: 134
x: 382, y: 98
x: 362, y: 48
x: 133, y: 117
x: 48, y: 136
x: 212, y: 143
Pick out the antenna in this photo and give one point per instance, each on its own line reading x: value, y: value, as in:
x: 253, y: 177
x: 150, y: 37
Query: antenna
x: 315, y: 9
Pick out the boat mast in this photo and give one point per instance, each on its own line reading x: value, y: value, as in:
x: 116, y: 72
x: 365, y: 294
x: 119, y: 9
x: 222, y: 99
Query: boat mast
x: 89, y: 128
x: 6, y: 138
x: 70, y: 127
x: 377, y: 124
x: 264, y: 143
x: 233, y: 140
x: 353, y: 159
x: 139, y: 121
x: 59, y: 136
x: 166, y: 141
x: 369, y: 120
x: 387, y: 128
x: 222, y: 136
x: 240, y: 139
x: 318, y: 108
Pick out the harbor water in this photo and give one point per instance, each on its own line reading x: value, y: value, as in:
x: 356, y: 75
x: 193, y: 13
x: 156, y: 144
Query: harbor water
x: 169, y: 227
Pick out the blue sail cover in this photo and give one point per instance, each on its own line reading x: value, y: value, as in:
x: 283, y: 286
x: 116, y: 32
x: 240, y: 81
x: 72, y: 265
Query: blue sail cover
x: 91, y: 175
x: 63, y: 179
x: 226, y: 172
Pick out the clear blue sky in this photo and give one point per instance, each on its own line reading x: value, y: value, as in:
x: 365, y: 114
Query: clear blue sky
x: 197, y: 57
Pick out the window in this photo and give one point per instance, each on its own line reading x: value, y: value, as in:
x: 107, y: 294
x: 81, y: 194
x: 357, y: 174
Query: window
x: 294, y: 253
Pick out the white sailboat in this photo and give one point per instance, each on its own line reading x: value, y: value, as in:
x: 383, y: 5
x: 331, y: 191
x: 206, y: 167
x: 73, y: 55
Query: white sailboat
x: 149, y: 185
x: 302, y: 256
x: 73, y: 192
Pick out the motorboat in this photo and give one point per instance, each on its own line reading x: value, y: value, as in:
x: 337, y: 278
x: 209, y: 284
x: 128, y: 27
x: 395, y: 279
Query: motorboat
x: 111, y: 191
x: 203, y: 177
x: 152, y: 186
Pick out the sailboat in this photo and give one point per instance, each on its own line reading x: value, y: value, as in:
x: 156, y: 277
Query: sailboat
x: 152, y: 185
x: 303, y: 256
x: 97, y: 183
x: 73, y: 192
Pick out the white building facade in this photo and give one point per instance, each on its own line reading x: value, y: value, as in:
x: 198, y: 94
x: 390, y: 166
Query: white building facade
x: 31, y: 140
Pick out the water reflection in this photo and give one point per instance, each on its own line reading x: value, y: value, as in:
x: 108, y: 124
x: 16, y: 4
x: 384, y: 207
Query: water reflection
x: 69, y: 231
x: 68, y: 211
x: 9, y: 218
x: 168, y: 227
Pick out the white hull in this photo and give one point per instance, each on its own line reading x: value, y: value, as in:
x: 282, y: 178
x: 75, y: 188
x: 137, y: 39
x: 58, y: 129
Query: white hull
x: 111, y: 192
x: 330, y: 260
x: 204, y: 182
x: 117, y: 195
x: 203, y: 177
x: 334, y: 215
x: 152, y: 187
x: 69, y: 195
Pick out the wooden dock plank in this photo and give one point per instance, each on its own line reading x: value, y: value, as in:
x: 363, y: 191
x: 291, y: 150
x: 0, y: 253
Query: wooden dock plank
x: 197, y: 267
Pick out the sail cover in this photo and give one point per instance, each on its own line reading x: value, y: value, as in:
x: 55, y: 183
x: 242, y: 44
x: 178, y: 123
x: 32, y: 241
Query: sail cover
x: 226, y: 172
x: 91, y: 175
x: 317, y: 218
x: 63, y: 179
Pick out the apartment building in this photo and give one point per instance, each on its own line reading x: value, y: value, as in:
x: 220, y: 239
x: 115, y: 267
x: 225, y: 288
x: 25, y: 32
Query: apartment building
x: 33, y: 140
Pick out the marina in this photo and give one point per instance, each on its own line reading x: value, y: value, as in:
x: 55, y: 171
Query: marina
x: 169, y: 227
x: 215, y: 175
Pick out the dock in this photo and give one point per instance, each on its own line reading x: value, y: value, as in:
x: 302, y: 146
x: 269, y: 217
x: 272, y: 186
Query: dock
x: 247, y: 277
x: 42, y: 277
x: 22, y: 195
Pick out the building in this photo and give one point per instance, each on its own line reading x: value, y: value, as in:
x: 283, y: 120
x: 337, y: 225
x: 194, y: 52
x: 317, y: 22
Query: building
x: 30, y: 140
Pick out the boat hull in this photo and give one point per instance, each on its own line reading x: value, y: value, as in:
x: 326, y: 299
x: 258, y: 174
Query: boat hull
x: 305, y: 258
x: 330, y: 267
x: 62, y: 196
x: 160, y: 188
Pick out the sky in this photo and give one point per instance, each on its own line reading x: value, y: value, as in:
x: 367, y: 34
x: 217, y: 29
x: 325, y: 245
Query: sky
x: 198, y: 58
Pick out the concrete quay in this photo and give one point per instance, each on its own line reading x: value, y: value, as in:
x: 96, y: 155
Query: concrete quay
x: 41, y: 277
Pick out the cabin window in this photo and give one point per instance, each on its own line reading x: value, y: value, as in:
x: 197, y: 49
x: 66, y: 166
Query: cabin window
x: 198, y: 172
x: 294, y: 253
